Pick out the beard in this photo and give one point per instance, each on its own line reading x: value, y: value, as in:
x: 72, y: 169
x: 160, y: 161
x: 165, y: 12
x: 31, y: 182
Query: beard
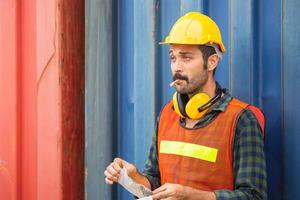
x: 191, y: 85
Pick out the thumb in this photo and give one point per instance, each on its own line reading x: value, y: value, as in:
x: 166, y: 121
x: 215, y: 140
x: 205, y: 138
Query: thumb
x: 124, y: 164
x: 130, y: 168
x: 119, y: 161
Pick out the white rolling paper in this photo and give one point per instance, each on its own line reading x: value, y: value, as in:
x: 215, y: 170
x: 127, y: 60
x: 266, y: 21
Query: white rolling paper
x: 146, y: 198
x: 133, y: 187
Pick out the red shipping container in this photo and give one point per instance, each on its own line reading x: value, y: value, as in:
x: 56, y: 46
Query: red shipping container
x: 42, y: 102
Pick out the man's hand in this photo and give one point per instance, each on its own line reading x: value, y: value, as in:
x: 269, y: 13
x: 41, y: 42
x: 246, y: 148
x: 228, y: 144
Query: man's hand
x: 170, y: 191
x: 112, y: 172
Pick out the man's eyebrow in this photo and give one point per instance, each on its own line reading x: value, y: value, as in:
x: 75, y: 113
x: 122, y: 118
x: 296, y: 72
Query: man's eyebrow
x: 183, y: 53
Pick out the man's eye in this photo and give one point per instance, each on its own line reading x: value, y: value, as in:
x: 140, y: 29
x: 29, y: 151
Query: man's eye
x: 172, y: 58
x: 186, y: 58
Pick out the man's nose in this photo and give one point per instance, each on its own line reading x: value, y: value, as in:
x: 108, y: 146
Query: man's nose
x: 178, y: 66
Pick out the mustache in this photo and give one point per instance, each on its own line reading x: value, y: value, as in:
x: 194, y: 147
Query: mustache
x: 177, y: 76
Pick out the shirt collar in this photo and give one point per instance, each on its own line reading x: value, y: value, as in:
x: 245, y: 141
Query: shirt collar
x: 222, y: 104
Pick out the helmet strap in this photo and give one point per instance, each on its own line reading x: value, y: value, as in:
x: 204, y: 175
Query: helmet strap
x: 219, y: 53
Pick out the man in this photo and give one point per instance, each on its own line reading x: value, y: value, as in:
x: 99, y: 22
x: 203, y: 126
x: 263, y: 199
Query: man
x: 207, y: 145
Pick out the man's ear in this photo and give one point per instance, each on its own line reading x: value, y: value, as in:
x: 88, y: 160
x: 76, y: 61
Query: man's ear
x: 212, y: 62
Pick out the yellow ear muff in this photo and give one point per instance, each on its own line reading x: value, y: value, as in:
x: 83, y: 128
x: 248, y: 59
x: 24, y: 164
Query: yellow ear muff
x: 194, y: 103
x: 176, y: 106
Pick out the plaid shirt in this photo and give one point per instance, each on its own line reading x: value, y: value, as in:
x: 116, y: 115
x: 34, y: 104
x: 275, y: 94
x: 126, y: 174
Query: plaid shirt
x: 249, y: 167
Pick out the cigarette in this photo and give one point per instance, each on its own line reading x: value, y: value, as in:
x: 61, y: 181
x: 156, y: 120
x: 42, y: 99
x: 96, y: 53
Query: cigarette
x: 172, y: 83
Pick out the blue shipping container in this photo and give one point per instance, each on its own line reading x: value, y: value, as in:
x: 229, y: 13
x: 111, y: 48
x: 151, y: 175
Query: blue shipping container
x: 128, y: 76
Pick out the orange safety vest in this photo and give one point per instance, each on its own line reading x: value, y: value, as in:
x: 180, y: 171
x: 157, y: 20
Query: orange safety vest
x: 200, y: 158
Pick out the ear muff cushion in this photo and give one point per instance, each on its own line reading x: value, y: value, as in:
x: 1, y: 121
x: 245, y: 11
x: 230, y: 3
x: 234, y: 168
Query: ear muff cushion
x: 182, y: 100
x: 194, y: 103
x: 175, y: 105
x: 179, y: 103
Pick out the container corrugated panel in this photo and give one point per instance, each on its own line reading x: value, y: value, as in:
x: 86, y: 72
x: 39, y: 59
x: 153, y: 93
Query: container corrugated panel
x: 291, y: 97
x: 137, y: 105
x: 270, y: 98
x: 9, y: 89
x: 41, y: 104
x: 260, y: 67
x: 101, y: 105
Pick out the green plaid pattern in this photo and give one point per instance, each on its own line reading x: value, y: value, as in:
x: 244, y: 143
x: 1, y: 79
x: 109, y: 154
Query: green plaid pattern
x: 248, y: 163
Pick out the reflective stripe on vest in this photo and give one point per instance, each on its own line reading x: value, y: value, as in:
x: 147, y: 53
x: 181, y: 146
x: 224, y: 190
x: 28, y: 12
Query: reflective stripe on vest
x: 189, y: 150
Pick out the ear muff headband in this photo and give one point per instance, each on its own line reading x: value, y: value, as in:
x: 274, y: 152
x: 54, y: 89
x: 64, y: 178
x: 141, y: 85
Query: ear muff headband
x: 211, y: 101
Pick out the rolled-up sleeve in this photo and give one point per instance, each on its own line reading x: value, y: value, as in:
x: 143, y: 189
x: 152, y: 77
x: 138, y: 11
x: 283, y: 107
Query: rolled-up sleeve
x: 151, y: 170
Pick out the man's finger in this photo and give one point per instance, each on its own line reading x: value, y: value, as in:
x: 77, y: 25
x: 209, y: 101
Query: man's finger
x: 112, y: 171
x: 107, y: 181
x: 160, y: 189
x: 110, y: 176
x: 159, y: 195
x: 117, y: 166
x: 119, y: 161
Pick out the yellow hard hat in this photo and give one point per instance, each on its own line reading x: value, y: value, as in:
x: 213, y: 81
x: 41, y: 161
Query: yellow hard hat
x: 195, y: 28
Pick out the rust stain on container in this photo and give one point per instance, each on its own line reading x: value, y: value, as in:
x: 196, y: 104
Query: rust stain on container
x: 71, y: 64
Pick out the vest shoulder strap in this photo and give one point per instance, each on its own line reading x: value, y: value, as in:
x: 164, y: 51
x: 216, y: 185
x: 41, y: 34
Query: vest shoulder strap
x: 260, y: 118
x: 239, y: 103
x: 259, y: 115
